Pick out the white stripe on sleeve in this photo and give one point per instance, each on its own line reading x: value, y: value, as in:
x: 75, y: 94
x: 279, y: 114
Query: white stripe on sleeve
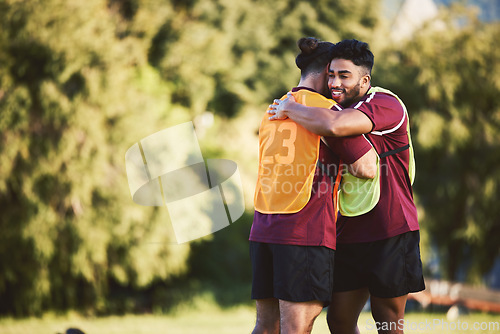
x: 381, y: 133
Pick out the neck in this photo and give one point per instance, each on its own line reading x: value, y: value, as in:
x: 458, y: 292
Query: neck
x: 309, y: 82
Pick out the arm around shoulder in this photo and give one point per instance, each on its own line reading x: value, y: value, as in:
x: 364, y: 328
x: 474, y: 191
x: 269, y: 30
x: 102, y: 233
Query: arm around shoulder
x: 349, y: 122
x: 323, y: 121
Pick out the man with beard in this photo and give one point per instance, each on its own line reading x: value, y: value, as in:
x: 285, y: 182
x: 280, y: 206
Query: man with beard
x: 377, y: 252
x: 292, y: 240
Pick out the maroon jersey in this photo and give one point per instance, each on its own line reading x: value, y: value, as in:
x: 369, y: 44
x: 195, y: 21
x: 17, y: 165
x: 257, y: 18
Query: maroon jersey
x: 395, y: 213
x: 314, y: 225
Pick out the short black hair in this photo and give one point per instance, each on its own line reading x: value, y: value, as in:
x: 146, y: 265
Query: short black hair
x: 355, y: 51
x: 314, y: 55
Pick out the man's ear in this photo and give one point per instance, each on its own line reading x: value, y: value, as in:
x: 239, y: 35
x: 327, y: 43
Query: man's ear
x: 365, y: 80
x: 327, y: 68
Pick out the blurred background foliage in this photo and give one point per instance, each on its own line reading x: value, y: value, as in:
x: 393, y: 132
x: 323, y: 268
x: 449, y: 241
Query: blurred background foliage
x: 80, y: 82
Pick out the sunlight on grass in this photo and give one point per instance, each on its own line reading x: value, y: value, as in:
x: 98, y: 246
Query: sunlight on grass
x: 204, y: 316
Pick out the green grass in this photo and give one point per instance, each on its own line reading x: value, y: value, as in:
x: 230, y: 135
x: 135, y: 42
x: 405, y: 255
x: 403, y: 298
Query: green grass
x: 204, y: 317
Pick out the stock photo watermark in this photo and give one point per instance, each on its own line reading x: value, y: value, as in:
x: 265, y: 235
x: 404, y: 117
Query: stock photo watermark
x: 167, y: 169
x: 271, y: 183
x: 432, y: 325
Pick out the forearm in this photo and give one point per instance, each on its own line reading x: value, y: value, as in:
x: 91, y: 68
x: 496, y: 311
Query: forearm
x: 314, y: 119
x: 327, y: 122
x: 365, y: 167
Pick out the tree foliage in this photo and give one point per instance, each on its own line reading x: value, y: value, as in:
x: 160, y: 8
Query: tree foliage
x: 223, y: 54
x: 71, y: 100
x: 80, y: 82
x: 447, y: 77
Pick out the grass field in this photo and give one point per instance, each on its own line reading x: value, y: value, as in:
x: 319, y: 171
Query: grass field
x: 210, y: 319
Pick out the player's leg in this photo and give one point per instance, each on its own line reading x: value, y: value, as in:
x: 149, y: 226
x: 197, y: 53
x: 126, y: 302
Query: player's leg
x: 304, y: 282
x: 268, y: 316
x: 296, y: 274
x: 389, y: 313
x: 344, y: 310
x: 350, y: 291
x: 298, y: 317
x: 396, y: 271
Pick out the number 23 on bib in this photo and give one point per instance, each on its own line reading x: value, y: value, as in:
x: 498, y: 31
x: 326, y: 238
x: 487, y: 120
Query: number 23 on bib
x: 288, y: 155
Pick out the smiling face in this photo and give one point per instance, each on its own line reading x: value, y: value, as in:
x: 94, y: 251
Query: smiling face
x: 347, y: 82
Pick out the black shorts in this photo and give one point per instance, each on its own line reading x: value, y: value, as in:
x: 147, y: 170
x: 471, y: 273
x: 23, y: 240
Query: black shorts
x: 388, y: 268
x: 292, y: 273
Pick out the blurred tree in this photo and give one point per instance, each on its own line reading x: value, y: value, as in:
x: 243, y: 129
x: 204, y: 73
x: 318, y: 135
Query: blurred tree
x: 235, y: 53
x: 75, y: 93
x: 80, y: 82
x: 447, y: 77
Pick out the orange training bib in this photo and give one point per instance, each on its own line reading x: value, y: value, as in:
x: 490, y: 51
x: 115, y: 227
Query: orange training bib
x: 288, y: 155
